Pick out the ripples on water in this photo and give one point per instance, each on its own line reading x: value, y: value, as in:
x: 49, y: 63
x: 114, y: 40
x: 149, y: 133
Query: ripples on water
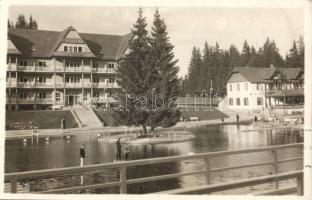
x: 60, y: 152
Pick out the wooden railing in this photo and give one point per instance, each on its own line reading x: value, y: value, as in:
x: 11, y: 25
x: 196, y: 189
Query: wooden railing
x: 122, y: 166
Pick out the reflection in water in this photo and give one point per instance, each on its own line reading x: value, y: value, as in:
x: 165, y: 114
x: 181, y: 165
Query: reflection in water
x: 64, y: 152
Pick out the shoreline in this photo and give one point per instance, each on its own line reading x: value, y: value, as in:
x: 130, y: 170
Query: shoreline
x: 14, y: 134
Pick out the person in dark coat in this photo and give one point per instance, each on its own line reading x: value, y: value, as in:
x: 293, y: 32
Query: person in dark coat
x: 118, y: 149
x: 82, y: 154
x: 237, y: 118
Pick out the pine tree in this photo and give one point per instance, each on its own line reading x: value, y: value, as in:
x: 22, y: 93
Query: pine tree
x: 194, y: 71
x: 293, y: 59
x: 167, y: 82
x: 204, y: 75
x: 21, y: 22
x: 301, y: 51
x: 31, y: 22
x: 246, y: 54
x: 135, y: 78
x: 35, y: 25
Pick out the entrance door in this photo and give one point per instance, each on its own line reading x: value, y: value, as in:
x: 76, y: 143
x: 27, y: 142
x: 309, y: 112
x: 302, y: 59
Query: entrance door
x: 70, y: 100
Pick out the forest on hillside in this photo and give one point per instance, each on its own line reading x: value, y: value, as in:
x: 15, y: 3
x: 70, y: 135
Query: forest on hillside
x: 213, y: 65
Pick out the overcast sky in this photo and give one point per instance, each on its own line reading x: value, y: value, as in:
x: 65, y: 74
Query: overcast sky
x: 187, y: 27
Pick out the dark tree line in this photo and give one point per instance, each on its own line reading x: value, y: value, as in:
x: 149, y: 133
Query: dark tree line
x: 213, y: 65
x: 22, y: 23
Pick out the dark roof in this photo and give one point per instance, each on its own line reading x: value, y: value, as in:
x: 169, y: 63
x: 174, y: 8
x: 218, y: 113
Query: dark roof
x: 42, y: 43
x: 260, y: 74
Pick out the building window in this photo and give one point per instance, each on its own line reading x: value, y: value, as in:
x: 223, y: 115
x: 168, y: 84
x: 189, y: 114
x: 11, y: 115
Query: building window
x: 230, y: 101
x: 79, y: 49
x: 95, y: 65
x: 259, y: 87
x: 246, y: 86
x: 13, y: 59
x: 259, y: 101
x: 75, y: 49
x: 42, y: 63
x: 42, y: 79
x: 23, y: 95
x: 57, y: 96
x: 96, y: 80
x: 95, y: 94
x: 23, y: 79
x: 65, y: 48
x: 111, y: 65
x: 85, y: 96
x: 246, y: 101
x: 238, y: 87
x: 42, y: 95
x: 238, y: 101
x: 70, y: 49
x: 231, y: 88
x: 111, y: 80
x: 23, y: 63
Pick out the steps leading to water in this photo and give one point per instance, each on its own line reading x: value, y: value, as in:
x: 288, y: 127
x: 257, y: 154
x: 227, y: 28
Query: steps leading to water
x: 86, y: 116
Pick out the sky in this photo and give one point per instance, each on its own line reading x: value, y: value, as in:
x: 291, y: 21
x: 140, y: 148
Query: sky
x: 187, y: 26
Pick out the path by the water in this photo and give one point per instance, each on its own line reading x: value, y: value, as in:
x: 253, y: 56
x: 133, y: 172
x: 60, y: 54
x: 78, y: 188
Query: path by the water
x: 244, y: 117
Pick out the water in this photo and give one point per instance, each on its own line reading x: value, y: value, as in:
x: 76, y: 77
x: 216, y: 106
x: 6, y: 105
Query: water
x: 60, y: 152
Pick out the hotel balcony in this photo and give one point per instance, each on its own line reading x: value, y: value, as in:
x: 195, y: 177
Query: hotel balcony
x: 32, y: 85
x: 12, y: 100
x: 284, y: 92
x: 73, y: 85
x: 105, y: 85
x: 85, y: 68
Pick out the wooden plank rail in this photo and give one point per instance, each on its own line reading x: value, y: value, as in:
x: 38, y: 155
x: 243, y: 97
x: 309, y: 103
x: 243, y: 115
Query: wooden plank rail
x: 123, y: 165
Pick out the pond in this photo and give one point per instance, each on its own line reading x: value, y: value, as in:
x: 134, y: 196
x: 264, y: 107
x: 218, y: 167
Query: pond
x: 60, y: 152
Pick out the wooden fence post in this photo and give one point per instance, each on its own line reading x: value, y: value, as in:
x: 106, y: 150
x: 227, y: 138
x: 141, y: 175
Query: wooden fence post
x: 275, y: 166
x: 13, y: 185
x: 207, y: 164
x: 300, y: 185
x: 123, y: 179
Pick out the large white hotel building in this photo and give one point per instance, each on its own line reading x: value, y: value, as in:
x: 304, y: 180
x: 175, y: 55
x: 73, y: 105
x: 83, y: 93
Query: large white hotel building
x: 51, y: 69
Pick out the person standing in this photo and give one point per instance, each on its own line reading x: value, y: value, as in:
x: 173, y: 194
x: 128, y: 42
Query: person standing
x: 237, y: 118
x: 118, y: 149
x: 82, y: 154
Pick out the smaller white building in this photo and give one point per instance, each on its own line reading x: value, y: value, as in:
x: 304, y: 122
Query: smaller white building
x: 252, y: 88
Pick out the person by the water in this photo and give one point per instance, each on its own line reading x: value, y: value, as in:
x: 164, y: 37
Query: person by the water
x: 82, y: 154
x: 127, y: 152
x: 237, y: 118
x: 222, y: 119
x: 118, y: 149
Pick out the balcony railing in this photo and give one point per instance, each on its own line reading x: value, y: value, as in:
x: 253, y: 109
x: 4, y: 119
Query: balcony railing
x: 32, y: 85
x: 73, y: 85
x: 26, y: 84
x: 73, y: 69
x: 26, y: 68
x: 32, y: 100
x: 44, y: 85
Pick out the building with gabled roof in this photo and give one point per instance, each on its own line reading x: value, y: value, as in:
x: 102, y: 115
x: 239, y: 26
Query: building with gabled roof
x: 50, y: 68
x: 255, y: 88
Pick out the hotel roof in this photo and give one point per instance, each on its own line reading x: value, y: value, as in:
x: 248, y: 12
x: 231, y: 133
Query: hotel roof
x: 260, y: 74
x: 43, y: 43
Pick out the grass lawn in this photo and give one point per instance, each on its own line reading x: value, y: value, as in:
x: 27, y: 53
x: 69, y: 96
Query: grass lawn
x: 21, y: 120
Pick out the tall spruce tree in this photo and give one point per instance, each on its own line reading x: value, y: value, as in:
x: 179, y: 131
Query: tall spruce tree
x: 21, y: 22
x: 194, y: 72
x: 136, y: 79
x: 246, y: 54
x: 166, y: 82
x: 293, y: 59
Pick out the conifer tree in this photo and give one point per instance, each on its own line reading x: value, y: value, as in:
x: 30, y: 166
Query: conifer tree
x: 135, y: 79
x: 166, y: 83
x: 21, y: 22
